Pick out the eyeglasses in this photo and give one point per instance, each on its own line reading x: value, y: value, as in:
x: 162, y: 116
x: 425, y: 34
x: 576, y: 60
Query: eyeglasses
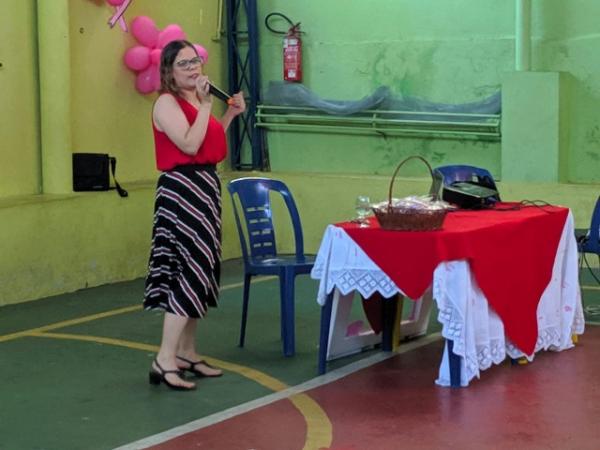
x: 187, y: 63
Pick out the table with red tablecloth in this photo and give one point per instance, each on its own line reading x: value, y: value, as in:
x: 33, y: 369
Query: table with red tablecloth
x: 505, y: 280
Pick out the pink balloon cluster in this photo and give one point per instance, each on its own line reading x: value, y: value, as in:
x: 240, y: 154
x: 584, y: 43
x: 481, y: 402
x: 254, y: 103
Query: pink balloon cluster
x: 144, y: 59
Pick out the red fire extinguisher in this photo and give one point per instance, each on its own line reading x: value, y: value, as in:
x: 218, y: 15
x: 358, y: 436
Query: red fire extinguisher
x: 292, y: 48
x: 292, y: 55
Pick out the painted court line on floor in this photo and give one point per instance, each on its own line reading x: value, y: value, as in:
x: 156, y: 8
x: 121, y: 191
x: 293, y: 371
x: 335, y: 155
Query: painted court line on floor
x: 287, y: 393
x: 102, y: 315
x: 590, y: 288
x: 257, y: 376
x: 319, y: 429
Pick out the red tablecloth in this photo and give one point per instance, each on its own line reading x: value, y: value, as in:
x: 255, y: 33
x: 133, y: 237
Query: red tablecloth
x: 511, y: 254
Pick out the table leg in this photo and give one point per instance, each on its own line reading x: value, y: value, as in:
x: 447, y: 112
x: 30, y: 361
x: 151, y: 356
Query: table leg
x: 324, y: 335
x: 388, y: 318
x: 453, y: 364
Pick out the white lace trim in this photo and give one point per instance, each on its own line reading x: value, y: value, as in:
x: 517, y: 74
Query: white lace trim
x: 364, y: 281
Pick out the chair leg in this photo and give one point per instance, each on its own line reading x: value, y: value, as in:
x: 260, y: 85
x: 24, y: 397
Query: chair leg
x: 282, y: 309
x: 288, y: 313
x: 247, y: 278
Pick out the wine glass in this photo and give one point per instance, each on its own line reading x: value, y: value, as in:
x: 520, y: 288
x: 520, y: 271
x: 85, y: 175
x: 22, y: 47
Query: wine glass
x: 363, y: 209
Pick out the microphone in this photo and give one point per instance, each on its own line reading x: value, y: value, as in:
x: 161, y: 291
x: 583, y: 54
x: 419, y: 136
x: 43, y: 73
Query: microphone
x: 220, y: 94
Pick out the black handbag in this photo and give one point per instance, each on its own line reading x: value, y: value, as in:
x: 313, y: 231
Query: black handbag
x: 91, y: 173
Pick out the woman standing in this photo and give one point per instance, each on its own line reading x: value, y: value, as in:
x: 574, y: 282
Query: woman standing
x: 184, y: 267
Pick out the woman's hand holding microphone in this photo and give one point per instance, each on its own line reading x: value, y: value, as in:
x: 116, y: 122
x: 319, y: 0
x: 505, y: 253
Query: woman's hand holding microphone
x: 202, y: 90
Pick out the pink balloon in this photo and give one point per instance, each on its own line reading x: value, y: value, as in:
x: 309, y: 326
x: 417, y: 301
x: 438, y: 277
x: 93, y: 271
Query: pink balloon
x: 115, y: 2
x: 144, y: 81
x: 155, y: 56
x: 144, y: 30
x: 137, y: 58
x: 202, y: 53
x: 171, y: 32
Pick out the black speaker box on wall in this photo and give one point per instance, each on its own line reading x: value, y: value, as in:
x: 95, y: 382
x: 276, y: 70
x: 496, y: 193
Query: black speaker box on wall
x: 91, y: 172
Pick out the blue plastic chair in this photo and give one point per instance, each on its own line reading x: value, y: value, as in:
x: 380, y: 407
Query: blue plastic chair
x: 589, y: 242
x: 453, y: 173
x: 259, y: 251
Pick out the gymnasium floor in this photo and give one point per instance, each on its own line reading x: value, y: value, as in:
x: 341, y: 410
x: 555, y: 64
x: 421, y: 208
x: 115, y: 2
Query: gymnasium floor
x: 74, y: 376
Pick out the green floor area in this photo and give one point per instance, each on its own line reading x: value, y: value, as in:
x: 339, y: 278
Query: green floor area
x: 61, y: 393
x: 70, y: 394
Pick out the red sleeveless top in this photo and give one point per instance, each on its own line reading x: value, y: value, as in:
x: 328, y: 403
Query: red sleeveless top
x: 212, y: 150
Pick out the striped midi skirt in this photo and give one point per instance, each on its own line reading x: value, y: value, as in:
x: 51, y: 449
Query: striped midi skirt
x: 185, y: 257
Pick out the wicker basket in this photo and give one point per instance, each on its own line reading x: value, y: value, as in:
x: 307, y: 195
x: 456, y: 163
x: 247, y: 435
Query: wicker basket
x: 404, y: 219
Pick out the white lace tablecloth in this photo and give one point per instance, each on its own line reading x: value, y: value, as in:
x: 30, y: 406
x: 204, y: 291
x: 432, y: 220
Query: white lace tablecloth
x: 466, y: 318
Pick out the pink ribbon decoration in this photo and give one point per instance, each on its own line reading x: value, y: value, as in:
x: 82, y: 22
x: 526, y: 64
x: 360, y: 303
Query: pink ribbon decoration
x: 118, y: 15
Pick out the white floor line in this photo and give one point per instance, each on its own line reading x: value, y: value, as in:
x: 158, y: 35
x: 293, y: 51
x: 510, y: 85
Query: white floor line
x: 329, y: 377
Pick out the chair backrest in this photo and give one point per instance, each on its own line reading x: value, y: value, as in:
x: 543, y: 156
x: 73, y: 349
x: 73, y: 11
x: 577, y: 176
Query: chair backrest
x: 592, y: 243
x: 453, y: 173
x: 254, y: 198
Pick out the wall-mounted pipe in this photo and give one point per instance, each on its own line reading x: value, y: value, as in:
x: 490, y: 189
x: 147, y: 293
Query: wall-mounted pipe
x: 385, y: 123
x: 219, y: 31
x: 523, y: 35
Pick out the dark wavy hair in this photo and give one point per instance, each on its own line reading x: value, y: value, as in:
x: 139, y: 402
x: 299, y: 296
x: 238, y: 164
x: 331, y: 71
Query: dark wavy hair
x: 167, y: 58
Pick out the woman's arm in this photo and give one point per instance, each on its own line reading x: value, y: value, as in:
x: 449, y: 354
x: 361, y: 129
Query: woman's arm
x: 237, y: 107
x: 169, y: 118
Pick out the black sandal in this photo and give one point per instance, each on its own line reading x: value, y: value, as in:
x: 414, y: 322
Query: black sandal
x: 198, y: 373
x: 160, y: 376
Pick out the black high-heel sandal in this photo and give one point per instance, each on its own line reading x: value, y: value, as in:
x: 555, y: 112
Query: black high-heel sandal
x: 198, y: 373
x: 159, y: 376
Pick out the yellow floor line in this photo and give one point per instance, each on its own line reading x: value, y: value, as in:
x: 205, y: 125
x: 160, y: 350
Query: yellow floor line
x: 319, y: 431
x: 590, y: 288
x: 255, y: 375
x: 67, y: 323
x: 103, y: 315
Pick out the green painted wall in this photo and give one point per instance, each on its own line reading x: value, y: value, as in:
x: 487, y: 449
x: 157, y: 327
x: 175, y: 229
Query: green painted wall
x: 61, y: 241
x: 567, y: 40
x: 535, y: 135
x: 443, y: 52
x: 460, y: 52
x: 449, y: 52
x: 19, y: 122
